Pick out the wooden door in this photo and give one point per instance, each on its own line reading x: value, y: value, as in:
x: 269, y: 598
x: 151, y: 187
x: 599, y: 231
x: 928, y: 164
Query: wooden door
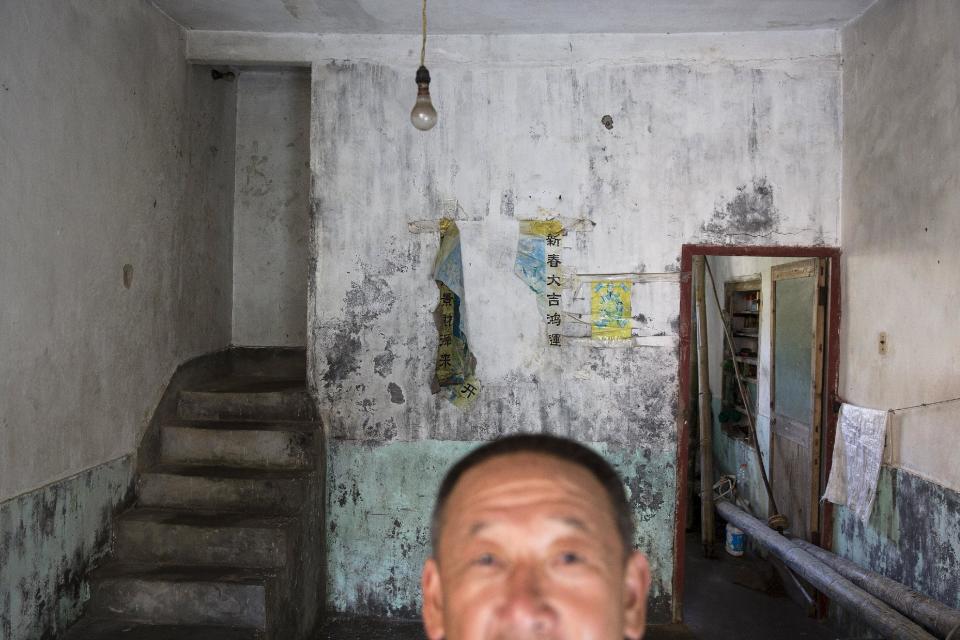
x: 798, y: 301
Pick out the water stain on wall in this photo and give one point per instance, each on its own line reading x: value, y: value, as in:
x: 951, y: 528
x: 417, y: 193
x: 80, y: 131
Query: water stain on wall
x: 362, y: 305
x: 507, y: 203
x: 383, y: 362
x: 51, y: 538
x: 396, y: 393
x: 750, y: 213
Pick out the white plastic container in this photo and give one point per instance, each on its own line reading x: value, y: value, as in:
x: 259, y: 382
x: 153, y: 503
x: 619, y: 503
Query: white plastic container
x: 735, y: 541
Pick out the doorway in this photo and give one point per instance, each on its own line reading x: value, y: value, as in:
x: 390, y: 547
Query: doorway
x: 780, y: 309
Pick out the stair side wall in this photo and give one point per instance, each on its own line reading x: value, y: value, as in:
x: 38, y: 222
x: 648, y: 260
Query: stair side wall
x: 49, y: 539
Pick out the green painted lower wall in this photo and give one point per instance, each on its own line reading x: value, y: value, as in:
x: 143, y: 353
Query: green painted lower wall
x: 913, y: 535
x: 737, y: 458
x: 379, y: 500
x: 49, y: 539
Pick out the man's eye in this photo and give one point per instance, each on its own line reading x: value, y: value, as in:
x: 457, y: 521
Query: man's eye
x: 570, y: 557
x: 485, y: 560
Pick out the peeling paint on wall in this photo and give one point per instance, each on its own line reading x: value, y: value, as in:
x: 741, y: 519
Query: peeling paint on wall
x: 381, y: 497
x: 49, y: 539
x: 911, y: 537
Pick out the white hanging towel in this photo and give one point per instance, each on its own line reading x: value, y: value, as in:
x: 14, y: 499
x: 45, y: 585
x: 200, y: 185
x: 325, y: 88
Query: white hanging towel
x: 857, y: 455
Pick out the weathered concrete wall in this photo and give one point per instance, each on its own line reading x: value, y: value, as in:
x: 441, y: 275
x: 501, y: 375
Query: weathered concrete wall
x: 901, y: 196
x: 695, y: 135
x: 111, y: 166
x: 117, y: 182
x: 734, y: 456
x: 271, y: 227
x: 911, y: 537
x: 385, y: 492
x: 49, y: 539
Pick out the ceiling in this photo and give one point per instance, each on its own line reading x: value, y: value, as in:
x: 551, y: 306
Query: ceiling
x: 512, y: 16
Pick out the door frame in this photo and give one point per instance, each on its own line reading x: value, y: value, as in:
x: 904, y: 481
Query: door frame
x: 684, y: 406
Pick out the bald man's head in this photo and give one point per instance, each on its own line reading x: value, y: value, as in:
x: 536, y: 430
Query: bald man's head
x: 532, y: 540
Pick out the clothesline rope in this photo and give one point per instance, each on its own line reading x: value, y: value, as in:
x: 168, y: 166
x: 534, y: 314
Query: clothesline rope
x: 923, y: 404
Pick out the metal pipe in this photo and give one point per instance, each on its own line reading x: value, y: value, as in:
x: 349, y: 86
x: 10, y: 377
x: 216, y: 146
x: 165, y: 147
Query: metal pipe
x: 880, y: 616
x: 707, y: 534
x: 927, y: 611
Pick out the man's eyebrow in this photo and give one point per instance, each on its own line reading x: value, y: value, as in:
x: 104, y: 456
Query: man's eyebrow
x: 477, y: 527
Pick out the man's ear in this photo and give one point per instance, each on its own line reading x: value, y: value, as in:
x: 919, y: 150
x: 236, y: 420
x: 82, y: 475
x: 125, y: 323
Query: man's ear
x: 432, y: 600
x: 636, y: 588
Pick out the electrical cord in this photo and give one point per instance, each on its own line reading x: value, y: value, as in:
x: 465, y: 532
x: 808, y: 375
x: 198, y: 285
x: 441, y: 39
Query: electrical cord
x: 922, y: 405
x: 423, y: 47
x: 725, y: 489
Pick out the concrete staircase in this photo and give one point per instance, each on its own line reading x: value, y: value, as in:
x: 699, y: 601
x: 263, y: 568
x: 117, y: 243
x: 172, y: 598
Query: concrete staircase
x: 226, y: 538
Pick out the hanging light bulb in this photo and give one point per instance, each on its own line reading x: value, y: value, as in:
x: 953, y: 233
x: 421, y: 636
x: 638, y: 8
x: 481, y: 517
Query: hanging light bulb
x: 423, y: 116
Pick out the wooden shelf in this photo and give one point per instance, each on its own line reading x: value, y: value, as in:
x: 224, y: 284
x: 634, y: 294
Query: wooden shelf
x: 742, y: 317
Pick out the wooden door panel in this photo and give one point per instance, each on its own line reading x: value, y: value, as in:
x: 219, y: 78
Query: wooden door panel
x: 792, y: 430
x: 797, y: 314
x: 790, y: 480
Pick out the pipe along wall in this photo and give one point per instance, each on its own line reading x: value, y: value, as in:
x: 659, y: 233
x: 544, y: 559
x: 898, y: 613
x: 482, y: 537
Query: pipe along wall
x: 874, y: 612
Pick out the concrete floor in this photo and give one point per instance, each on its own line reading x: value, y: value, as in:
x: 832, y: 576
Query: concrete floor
x: 717, y: 605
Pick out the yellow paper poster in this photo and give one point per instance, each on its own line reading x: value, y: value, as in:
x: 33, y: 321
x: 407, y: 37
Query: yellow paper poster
x: 610, y: 310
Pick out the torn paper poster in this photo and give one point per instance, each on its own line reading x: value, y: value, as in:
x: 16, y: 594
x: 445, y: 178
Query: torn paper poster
x: 455, y: 366
x: 610, y: 310
x: 539, y: 265
x: 857, y: 455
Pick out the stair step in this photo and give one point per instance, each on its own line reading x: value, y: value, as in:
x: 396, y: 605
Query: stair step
x: 248, y: 399
x: 287, y: 445
x: 272, y: 362
x: 89, y: 628
x: 223, y: 489
x: 180, y: 537
x: 184, y: 595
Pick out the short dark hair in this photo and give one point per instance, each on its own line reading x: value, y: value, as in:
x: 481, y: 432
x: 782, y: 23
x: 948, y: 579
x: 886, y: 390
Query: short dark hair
x: 556, y: 447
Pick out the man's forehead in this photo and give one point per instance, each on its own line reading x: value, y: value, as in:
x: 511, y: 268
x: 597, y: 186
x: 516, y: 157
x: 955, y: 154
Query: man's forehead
x: 514, y: 477
x: 478, y: 525
x: 528, y: 465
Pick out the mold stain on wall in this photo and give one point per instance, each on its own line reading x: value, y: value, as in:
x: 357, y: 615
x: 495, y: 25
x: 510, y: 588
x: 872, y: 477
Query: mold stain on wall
x: 911, y: 536
x: 51, y: 538
x: 750, y: 213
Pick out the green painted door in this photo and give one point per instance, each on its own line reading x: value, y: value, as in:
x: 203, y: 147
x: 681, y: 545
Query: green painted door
x: 795, y: 395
